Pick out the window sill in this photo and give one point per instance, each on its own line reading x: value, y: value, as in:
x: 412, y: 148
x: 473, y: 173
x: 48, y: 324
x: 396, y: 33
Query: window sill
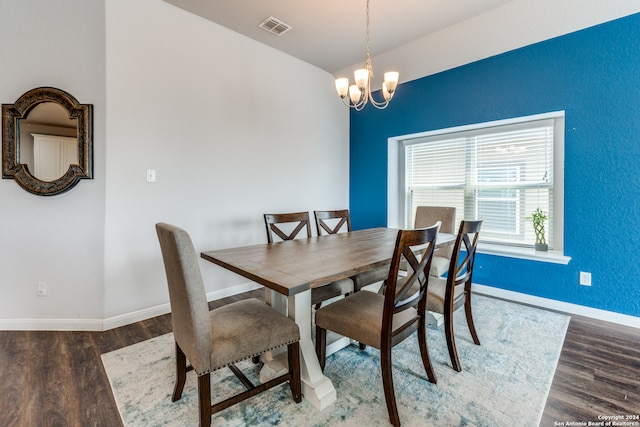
x: 555, y: 257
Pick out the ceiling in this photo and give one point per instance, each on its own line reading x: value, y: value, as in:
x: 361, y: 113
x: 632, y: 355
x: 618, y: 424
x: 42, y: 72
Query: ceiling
x: 50, y: 114
x: 331, y: 34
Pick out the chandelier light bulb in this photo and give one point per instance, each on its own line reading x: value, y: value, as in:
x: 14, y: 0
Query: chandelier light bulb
x: 391, y: 80
x: 342, y: 86
x: 385, y: 92
x: 354, y: 94
x: 361, y: 77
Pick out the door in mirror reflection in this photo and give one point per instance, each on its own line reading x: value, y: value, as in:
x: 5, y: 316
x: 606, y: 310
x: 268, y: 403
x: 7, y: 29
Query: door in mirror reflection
x: 48, y: 141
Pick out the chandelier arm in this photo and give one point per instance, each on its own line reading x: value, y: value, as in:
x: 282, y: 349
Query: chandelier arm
x: 362, y: 102
x: 378, y: 104
x: 358, y: 106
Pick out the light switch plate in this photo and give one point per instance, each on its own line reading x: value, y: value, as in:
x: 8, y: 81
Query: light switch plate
x: 42, y: 289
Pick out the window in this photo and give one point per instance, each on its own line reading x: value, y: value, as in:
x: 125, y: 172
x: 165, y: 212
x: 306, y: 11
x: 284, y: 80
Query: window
x: 500, y: 172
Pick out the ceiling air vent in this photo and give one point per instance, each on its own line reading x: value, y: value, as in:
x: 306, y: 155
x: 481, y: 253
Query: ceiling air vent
x: 275, y: 26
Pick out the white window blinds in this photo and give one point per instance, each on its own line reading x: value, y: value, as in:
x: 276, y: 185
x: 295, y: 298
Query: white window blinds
x: 498, y: 174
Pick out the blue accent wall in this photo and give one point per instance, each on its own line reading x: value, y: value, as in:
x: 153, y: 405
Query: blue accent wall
x: 594, y: 75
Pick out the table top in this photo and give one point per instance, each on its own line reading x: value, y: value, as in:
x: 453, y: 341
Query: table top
x: 294, y: 266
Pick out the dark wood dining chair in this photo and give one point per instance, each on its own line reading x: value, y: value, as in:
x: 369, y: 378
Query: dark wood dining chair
x: 275, y: 224
x: 429, y: 215
x: 383, y: 321
x: 332, y: 222
x: 336, y: 221
x: 212, y: 340
x: 287, y: 226
x: 446, y: 295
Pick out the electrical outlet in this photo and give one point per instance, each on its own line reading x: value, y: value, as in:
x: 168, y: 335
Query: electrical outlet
x: 585, y: 278
x: 151, y: 175
x: 42, y: 289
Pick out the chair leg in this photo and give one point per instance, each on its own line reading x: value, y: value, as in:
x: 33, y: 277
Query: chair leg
x: 472, y: 328
x: 321, y: 346
x: 204, y: 399
x: 451, y: 344
x: 387, y: 383
x: 294, y: 369
x: 424, y: 350
x: 181, y: 374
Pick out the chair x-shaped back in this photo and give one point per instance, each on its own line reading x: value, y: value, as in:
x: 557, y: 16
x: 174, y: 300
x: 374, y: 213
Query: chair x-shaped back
x: 332, y: 227
x: 273, y: 221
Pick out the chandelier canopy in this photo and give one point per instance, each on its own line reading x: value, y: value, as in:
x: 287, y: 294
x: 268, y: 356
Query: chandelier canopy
x: 360, y: 92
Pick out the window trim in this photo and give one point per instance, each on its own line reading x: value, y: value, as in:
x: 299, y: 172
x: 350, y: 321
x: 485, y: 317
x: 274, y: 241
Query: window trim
x: 396, y: 183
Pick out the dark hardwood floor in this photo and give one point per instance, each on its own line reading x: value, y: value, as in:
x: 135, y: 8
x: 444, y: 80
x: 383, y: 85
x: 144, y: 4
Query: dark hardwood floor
x: 598, y: 375
x: 57, y: 378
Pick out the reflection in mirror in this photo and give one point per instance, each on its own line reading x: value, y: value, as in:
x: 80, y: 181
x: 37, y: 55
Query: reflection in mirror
x: 48, y: 140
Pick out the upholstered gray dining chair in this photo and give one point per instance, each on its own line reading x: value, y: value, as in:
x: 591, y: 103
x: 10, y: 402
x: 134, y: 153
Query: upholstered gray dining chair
x: 211, y: 340
x: 336, y: 221
x: 382, y: 321
x: 448, y: 294
x: 298, y: 221
x: 429, y: 215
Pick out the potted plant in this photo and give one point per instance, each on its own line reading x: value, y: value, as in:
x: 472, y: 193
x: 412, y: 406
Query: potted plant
x: 538, y: 218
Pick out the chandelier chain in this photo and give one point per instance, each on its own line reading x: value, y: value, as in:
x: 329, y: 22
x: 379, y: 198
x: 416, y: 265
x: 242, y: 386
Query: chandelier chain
x: 368, y: 65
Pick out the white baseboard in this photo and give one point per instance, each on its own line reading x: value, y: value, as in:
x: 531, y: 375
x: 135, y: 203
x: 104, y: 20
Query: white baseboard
x: 580, y: 310
x: 111, y: 322
x: 50, y: 324
x: 137, y: 316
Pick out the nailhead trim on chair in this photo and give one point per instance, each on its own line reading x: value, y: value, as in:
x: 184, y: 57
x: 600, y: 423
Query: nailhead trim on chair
x: 249, y: 357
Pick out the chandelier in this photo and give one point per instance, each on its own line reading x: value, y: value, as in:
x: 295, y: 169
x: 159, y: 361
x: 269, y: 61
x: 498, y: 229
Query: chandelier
x: 360, y: 92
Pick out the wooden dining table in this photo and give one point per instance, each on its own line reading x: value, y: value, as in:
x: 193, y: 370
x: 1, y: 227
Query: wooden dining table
x: 289, y: 269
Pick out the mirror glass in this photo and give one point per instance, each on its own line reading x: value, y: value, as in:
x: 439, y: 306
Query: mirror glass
x: 48, y: 140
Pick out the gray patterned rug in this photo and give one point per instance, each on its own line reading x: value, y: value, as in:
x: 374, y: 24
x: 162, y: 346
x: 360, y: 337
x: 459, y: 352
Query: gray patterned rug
x: 504, y: 381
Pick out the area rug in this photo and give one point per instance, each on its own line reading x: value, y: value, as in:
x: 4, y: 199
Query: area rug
x: 504, y: 381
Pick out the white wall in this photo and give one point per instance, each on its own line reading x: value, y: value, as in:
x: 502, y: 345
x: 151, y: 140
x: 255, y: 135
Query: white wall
x: 233, y: 128
x: 56, y: 239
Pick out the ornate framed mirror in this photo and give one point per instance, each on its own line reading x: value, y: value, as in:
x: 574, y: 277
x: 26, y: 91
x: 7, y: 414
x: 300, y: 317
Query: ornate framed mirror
x: 47, y: 141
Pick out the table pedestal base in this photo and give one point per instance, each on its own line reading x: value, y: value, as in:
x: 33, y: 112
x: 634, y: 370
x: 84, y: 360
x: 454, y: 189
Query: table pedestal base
x: 316, y: 387
x: 435, y: 319
x: 320, y: 394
